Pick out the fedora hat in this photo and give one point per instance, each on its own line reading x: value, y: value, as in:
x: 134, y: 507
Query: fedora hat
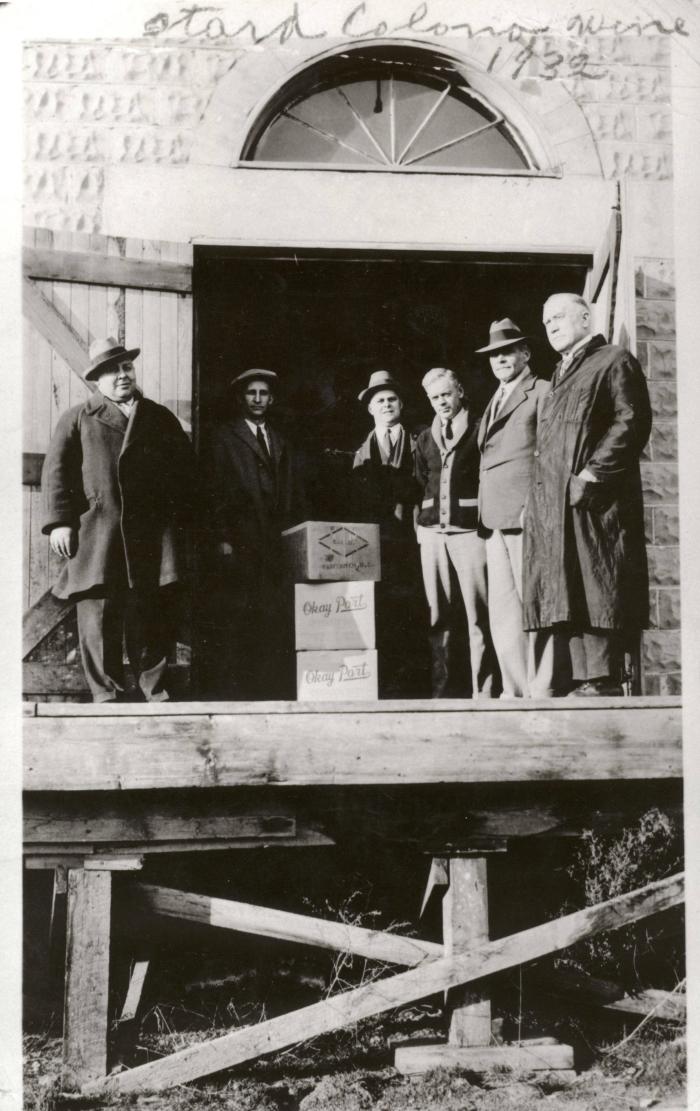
x: 502, y: 333
x: 379, y: 380
x: 104, y: 352
x: 249, y: 375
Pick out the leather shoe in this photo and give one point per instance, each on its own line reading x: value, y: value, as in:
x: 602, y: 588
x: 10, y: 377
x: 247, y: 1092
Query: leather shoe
x: 602, y: 688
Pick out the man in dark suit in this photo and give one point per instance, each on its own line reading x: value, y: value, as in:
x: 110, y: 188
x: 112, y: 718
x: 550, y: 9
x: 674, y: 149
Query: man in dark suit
x: 507, y: 438
x: 453, y: 554
x: 117, y: 486
x: 254, y: 493
x: 385, y: 491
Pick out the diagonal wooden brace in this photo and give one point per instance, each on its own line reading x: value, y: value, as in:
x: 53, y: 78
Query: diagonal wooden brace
x: 395, y: 991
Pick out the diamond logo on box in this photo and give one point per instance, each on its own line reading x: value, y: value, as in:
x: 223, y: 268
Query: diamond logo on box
x: 333, y: 550
x: 343, y: 542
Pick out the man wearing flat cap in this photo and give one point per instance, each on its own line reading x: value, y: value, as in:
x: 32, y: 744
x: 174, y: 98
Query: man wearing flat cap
x: 254, y: 493
x: 507, y: 438
x: 385, y: 492
x: 118, y: 492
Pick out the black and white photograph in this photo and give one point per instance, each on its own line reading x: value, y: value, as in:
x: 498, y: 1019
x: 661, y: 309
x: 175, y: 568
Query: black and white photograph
x: 353, y: 354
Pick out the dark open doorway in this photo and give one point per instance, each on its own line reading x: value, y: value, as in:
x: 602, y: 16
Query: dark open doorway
x: 324, y: 320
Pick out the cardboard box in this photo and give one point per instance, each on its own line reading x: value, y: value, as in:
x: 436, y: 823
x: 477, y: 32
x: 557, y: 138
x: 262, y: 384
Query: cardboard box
x: 337, y: 676
x: 334, y: 615
x: 333, y: 551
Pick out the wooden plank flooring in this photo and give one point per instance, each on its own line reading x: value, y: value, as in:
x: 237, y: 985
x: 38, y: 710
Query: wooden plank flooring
x: 88, y: 748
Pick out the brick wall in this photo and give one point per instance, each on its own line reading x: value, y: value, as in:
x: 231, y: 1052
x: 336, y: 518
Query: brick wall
x: 656, y: 350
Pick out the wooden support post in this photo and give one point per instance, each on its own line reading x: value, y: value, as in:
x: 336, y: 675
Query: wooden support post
x: 465, y: 925
x: 85, y: 1015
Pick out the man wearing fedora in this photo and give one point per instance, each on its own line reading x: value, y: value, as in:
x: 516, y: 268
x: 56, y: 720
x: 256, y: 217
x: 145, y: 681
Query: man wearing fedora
x: 507, y: 438
x: 386, y: 492
x: 117, y: 485
x: 453, y: 554
x: 255, y: 492
x: 585, y: 566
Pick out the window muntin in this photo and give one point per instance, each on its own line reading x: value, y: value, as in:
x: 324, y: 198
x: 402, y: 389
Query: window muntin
x: 388, y: 110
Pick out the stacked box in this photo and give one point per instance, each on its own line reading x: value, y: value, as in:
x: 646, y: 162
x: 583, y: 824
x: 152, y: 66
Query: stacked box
x: 334, y: 615
x: 339, y: 676
x: 333, y: 551
x: 334, y: 618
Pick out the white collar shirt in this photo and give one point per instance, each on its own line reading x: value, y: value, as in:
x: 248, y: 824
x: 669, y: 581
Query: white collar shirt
x: 459, y: 427
x: 263, y: 428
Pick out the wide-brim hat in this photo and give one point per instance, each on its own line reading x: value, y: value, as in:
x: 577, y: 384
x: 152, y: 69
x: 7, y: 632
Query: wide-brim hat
x: 249, y: 375
x: 104, y: 353
x: 502, y: 333
x: 379, y: 380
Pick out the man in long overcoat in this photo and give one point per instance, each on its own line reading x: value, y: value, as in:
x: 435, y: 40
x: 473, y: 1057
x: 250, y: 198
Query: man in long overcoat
x: 255, y: 492
x: 585, y: 565
x: 117, y: 485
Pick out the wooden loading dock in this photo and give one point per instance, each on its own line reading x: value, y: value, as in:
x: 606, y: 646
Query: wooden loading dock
x: 106, y: 786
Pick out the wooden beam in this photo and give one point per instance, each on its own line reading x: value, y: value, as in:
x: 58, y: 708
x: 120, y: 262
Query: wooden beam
x: 465, y: 926
x: 55, y: 330
x: 383, y: 995
x: 48, y: 820
x: 36, y: 855
x: 412, y: 1059
x: 85, y: 1015
x: 41, y: 619
x: 606, y: 994
x: 32, y: 464
x: 97, y: 269
x: 113, y: 863
x: 267, y: 922
x: 296, y: 746
x: 669, y: 1005
x: 137, y: 981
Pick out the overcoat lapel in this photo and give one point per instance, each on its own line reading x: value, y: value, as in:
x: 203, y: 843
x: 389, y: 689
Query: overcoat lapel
x: 106, y: 412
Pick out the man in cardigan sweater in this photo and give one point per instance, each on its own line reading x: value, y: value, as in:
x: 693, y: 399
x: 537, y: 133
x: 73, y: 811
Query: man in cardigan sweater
x: 453, y: 555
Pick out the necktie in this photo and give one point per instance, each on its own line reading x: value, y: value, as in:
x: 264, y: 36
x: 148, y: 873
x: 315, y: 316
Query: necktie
x: 448, y: 429
x: 500, y: 398
x: 387, y: 445
x: 260, y: 437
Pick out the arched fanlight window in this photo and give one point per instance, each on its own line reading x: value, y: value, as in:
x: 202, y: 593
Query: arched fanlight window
x: 386, y: 108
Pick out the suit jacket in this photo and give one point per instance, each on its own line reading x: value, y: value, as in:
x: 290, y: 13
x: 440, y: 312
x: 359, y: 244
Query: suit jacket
x: 252, y: 496
x: 507, y: 447
x: 127, y: 488
x: 464, y: 475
